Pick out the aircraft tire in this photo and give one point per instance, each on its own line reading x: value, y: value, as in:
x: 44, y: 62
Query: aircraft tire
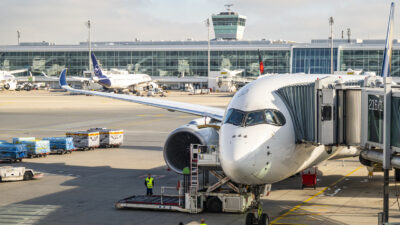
x: 264, y: 219
x: 7, y: 86
x: 250, y: 219
x: 397, y: 174
x: 214, y: 204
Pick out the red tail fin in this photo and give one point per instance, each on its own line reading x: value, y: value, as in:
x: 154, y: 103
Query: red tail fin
x: 261, y: 63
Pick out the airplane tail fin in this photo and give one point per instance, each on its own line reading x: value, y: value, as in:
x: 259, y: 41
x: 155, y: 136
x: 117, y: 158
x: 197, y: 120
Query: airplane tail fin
x: 97, y: 70
x: 387, y: 57
x: 261, y: 63
x: 63, y: 80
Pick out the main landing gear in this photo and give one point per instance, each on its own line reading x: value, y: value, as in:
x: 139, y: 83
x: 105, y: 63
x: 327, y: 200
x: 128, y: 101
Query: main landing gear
x: 256, y: 215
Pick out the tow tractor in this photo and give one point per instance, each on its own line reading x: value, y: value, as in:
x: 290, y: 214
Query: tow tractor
x: 9, y: 173
x: 197, y: 193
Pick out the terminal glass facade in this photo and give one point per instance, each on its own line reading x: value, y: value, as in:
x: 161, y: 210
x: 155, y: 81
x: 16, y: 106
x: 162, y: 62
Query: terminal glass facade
x: 368, y: 60
x: 313, y: 60
x: 154, y: 63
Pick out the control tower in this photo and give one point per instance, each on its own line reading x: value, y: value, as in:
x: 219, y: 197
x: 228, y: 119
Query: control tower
x: 228, y: 25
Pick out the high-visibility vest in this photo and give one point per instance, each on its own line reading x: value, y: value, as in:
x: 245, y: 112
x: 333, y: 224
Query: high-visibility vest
x: 203, y: 224
x: 149, y: 182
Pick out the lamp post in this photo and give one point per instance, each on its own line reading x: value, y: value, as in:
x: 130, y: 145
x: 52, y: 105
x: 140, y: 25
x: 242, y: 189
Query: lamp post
x: 18, y: 36
x: 208, y: 49
x: 331, y: 24
x: 88, y: 24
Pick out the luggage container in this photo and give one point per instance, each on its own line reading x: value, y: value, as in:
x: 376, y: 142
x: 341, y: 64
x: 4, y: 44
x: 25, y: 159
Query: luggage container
x: 12, y: 152
x: 37, y: 148
x: 18, y: 140
x: 85, y: 140
x: 109, y: 138
x: 61, y: 145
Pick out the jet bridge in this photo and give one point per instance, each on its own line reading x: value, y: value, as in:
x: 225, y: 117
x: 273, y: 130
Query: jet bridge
x: 334, y: 112
x: 326, y: 111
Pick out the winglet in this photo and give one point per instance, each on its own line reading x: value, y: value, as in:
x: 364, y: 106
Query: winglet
x: 387, y: 57
x: 63, y: 79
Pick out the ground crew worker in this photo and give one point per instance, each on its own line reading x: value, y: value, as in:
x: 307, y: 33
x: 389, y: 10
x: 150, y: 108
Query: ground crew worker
x: 149, y: 183
x: 203, y: 222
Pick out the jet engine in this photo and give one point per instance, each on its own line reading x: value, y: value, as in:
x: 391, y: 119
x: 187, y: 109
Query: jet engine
x: 177, y: 145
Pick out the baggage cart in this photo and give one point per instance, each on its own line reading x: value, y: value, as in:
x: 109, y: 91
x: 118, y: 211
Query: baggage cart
x: 109, y: 138
x: 309, y: 178
x: 18, y: 140
x: 12, y: 152
x: 37, y: 148
x: 85, y: 140
x: 61, y: 145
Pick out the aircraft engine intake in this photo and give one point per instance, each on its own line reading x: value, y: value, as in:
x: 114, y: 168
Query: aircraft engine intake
x: 177, y: 145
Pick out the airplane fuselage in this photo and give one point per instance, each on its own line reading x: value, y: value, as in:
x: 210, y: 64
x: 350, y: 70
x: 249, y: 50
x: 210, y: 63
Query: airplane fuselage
x: 123, y: 81
x: 265, y: 152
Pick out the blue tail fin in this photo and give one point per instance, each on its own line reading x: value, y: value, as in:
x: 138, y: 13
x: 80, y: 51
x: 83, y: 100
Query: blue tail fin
x: 97, y: 70
x: 387, y: 57
x: 63, y: 79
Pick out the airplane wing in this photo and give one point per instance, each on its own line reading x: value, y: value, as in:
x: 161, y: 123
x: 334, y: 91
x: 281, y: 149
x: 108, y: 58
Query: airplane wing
x: 81, y: 79
x: 199, y: 110
x: 17, y: 71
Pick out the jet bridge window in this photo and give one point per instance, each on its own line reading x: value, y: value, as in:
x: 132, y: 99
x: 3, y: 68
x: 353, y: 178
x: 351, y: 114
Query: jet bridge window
x: 326, y: 113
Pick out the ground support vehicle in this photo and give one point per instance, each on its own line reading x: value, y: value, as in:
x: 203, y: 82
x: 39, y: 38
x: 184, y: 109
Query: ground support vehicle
x: 197, y: 193
x: 9, y: 173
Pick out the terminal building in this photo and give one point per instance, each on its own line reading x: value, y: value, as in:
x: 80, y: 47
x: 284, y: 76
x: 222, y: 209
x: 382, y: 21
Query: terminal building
x: 190, y: 57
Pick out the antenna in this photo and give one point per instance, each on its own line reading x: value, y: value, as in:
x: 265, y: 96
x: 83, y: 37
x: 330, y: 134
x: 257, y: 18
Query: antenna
x: 348, y: 34
x: 228, y: 7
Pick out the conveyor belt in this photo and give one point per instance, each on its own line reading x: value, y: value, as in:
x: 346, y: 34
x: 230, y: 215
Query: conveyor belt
x: 152, y: 200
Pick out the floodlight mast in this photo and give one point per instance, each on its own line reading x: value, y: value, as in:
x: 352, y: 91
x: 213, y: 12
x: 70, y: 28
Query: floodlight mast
x: 331, y: 24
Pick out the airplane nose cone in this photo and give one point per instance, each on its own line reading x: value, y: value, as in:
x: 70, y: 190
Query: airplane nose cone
x: 243, y: 155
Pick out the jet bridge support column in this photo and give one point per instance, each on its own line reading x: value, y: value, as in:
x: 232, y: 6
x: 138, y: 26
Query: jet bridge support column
x: 387, y: 152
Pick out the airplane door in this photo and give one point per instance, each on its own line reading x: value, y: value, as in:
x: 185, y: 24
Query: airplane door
x: 327, y: 116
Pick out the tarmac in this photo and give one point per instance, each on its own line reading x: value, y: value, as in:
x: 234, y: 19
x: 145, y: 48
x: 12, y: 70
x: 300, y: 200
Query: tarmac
x: 82, y: 187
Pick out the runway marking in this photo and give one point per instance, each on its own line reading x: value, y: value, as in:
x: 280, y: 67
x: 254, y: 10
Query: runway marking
x: 312, y: 197
x: 25, y: 214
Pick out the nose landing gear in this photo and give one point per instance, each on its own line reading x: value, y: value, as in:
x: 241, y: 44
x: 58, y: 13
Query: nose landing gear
x: 256, y: 215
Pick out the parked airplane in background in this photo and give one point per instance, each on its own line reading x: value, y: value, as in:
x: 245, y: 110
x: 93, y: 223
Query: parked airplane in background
x: 8, y: 80
x: 115, y: 79
x: 256, y: 135
x: 121, y: 80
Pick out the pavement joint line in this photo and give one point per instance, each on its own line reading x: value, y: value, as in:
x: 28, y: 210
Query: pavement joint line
x: 291, y: 223
x: 312, y: 197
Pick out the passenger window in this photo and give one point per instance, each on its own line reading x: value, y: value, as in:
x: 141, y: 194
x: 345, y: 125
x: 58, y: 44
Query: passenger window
x: 254, y: 118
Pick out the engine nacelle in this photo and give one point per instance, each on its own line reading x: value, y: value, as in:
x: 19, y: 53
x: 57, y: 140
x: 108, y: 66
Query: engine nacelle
x: 177, y: 145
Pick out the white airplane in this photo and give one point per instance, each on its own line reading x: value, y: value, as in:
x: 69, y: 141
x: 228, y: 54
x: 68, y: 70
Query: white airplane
x: 115, y: 79
x: 257, y: 144
x: 120, y: 80
x: 8, y: 80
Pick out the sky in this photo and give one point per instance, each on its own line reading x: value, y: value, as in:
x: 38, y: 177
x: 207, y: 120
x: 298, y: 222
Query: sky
x: 63, y: 21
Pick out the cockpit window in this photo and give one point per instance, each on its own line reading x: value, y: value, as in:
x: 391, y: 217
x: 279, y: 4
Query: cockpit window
x: 254, y: 118
x: 234, y: 117
x: 267, y: 116
x: 274, y: 117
